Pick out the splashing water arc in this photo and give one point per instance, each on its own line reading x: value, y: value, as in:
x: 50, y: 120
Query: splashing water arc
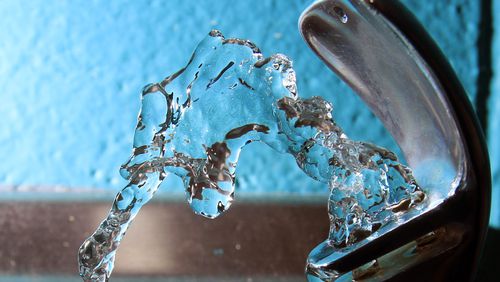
x: 194, y: 123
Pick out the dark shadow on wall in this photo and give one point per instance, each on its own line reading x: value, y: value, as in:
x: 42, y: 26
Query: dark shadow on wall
x: 490, y: 262
x: 484, y: 49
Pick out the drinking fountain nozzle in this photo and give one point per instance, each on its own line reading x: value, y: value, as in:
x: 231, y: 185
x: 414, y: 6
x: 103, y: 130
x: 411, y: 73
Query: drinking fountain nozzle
x: 380, y: 50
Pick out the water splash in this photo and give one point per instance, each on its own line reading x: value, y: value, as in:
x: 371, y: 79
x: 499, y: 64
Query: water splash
x: 195, y: 122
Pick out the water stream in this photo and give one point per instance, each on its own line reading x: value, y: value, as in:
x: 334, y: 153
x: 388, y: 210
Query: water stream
x: 194, y: 124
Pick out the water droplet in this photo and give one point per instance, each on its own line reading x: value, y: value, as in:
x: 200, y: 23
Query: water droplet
x: 218, y: 252
x: 341, y: 14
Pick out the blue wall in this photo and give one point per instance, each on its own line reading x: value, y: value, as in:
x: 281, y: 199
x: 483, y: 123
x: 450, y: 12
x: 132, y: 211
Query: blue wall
x: 493, y: 129
x: 71, y: 73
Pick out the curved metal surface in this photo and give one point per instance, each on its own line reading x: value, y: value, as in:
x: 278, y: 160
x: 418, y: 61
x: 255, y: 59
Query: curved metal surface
x: 381, y: 51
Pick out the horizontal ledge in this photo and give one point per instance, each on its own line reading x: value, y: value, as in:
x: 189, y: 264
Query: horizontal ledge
x: 70, y: 194
x: 117, y: 278
x: 166, y: 240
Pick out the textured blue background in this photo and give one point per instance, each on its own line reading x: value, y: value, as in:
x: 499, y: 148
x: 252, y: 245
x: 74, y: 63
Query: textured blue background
x: 71, y: 73
x: 493, y: 129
